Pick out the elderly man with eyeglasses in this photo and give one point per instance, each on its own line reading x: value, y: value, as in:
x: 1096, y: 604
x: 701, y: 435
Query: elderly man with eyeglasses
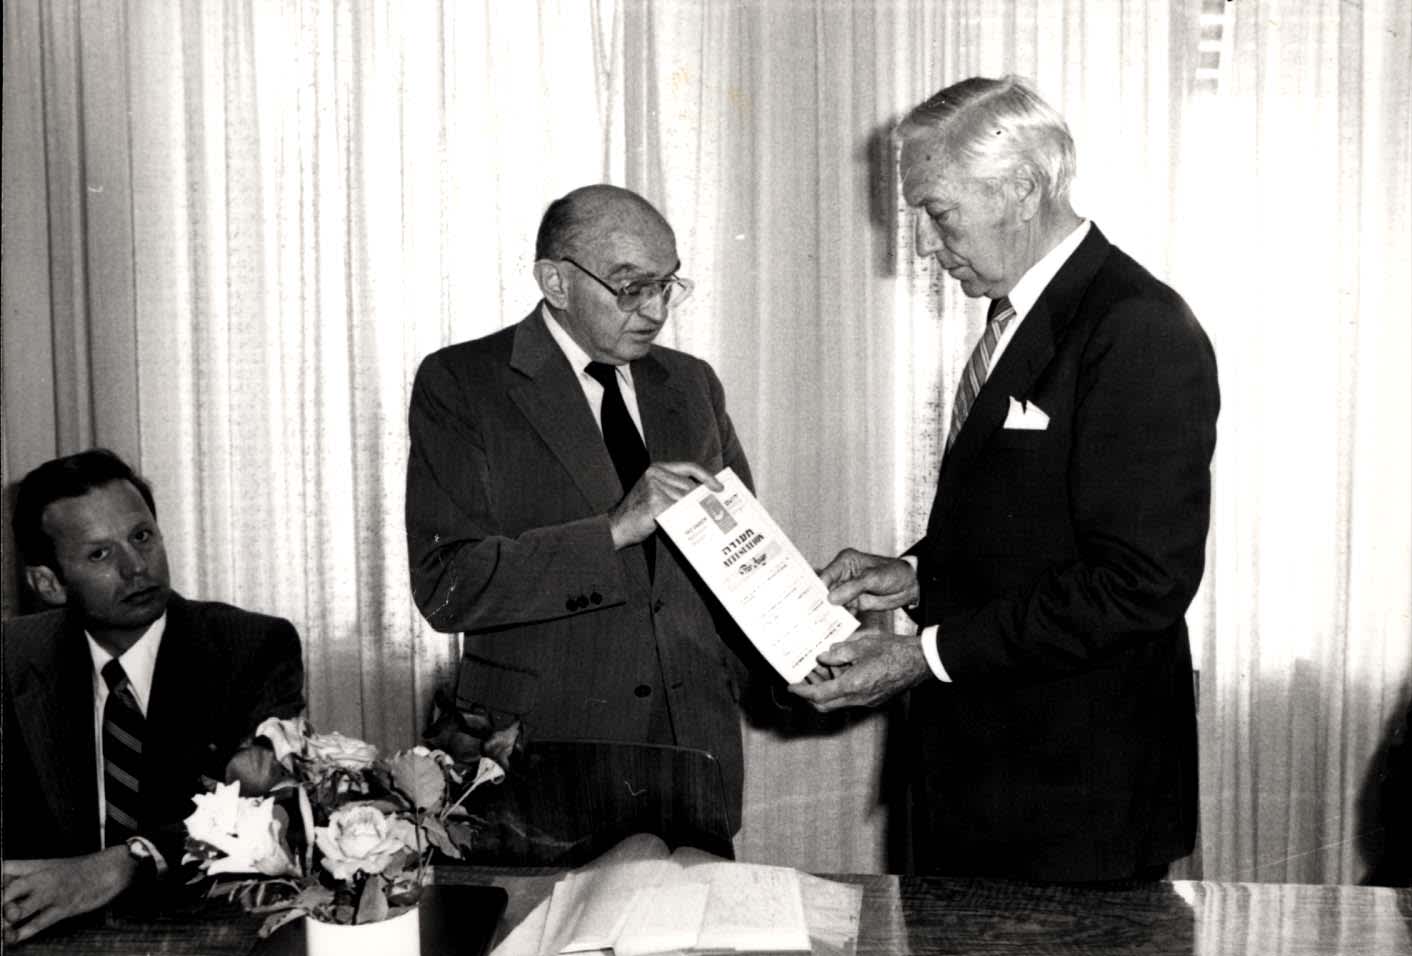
x: 540, y: 458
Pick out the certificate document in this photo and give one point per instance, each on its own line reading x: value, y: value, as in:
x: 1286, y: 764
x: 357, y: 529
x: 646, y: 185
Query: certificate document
x: 757, y: 574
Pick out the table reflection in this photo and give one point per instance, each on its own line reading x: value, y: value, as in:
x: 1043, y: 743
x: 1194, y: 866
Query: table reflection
x: 920, y: 916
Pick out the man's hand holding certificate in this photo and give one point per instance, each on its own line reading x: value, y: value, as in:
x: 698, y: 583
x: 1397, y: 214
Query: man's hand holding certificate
x: 758, y: 575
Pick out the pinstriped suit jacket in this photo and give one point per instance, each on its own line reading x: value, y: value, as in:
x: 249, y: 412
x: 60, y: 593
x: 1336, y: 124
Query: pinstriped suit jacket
x: 508, y: 490
x: 220, y: 671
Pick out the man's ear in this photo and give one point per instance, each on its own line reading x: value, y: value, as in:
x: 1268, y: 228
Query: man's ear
x: 550, y: 276
x: 47, y: 584
x: 1025, y: 193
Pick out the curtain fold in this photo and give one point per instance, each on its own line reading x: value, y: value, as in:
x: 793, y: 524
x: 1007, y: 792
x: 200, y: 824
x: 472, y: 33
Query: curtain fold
x: 1302, y: 166
x: 232, y: 230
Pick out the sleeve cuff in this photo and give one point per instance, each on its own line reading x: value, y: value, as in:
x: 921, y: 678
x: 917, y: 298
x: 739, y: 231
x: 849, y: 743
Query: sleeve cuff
x: 914, y: 561
x: 928, y: 639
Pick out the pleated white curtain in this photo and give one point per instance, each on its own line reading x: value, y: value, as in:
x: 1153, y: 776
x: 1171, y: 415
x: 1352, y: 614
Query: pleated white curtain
x: 1294, y: 245
x: 255, y: 219
x: 231, y: 231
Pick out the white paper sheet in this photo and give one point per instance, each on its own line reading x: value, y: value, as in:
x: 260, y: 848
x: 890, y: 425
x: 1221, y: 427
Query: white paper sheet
x: 757, y: 574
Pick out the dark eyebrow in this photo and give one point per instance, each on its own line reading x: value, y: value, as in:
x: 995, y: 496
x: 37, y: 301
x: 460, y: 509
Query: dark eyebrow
x: 142, y: 524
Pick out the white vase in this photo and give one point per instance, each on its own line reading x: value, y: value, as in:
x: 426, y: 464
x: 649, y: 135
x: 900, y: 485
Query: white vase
x: 399, y: 936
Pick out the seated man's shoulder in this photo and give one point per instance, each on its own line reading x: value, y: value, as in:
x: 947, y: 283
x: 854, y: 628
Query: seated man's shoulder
x: 219, y: 619
x: 32, y: 632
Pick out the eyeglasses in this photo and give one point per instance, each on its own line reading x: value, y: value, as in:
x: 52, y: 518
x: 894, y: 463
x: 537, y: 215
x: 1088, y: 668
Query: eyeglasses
x: 631, y: 296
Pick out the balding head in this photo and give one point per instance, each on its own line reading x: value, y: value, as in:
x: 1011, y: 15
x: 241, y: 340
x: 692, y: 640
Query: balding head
x: 582, y: 219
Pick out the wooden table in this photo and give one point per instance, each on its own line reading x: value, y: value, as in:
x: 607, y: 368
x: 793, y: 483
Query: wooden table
x: 924, y: 915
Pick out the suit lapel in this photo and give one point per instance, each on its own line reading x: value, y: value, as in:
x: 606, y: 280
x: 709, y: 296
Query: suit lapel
x: 55, y: 709
x: 663, y: 409
x: 552, y: 400
x: 176, y: 694
x: 1021, y: 364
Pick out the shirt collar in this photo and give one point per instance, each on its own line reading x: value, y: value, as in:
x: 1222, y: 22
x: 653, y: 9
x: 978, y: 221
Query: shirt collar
x: 578, y: 358
x: 139, y: 660
x: 1032, y: 284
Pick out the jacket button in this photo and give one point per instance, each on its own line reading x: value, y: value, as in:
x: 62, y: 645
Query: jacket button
x: 571, y: 605
x: 596, y: 598
x: 657, y: 606
x: 642, y: 690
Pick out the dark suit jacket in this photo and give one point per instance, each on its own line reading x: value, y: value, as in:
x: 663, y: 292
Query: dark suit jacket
x: 220, y: 671
x: 1059, y: 565
x: 509, y: 486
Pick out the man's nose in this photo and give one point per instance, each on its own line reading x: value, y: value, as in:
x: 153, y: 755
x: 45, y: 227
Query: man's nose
x: 654, y: 306
x: 132, y: 561
x: 926, y: 237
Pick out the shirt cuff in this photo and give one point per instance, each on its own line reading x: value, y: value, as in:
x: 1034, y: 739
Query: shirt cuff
x: 928, y: 639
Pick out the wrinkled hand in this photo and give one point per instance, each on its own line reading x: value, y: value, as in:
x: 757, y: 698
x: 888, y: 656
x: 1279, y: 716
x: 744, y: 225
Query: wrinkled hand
x: 257, y: 769
x: 870, y: 582
x: 40, y: 893
x: 665, y: 482
x: 869, y: 668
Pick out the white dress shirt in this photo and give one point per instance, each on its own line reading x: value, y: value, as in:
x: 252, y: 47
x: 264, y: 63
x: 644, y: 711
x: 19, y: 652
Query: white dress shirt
x: 592, y: 389
x: 1022, y: 299
x: 139, y: 663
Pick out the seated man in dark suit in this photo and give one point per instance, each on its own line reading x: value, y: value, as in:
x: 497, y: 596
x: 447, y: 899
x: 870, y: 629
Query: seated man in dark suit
x: 120, y: 699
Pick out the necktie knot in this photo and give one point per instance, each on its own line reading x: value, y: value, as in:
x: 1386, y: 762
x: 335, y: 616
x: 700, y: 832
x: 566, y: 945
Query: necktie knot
x: 114, y: 674
x: 1000, y: 311
x: 603, y: 373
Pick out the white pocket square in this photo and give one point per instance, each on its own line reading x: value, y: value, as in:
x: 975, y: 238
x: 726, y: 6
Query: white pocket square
x: 1026, y: 416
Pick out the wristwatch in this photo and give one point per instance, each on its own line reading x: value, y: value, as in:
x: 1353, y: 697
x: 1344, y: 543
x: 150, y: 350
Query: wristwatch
x: 141, y: 851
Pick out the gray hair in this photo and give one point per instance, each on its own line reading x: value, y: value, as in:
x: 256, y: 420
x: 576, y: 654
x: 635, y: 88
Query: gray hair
x: 990, y: 128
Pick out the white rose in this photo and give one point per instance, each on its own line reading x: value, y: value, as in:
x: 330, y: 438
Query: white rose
x: 360, y: 837
x: 243, y: 828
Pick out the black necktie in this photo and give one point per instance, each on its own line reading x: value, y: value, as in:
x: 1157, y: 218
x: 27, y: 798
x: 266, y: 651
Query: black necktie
x: 123, y: 726
x: 624, y: 442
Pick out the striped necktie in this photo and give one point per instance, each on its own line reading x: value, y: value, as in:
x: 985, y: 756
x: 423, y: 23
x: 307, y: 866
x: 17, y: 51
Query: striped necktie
x: 1001, y: 312
x: 123, y: 726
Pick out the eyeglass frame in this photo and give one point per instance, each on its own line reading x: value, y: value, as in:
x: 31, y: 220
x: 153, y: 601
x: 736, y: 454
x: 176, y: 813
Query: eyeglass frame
x: 663, y: 283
